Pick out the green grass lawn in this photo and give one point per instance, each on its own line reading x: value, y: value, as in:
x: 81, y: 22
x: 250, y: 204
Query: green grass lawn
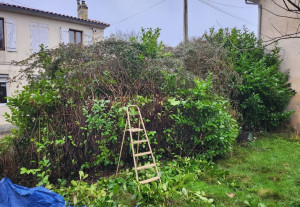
x: 265, y: 172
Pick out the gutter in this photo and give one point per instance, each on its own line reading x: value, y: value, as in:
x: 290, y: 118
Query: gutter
x: 255, y: 2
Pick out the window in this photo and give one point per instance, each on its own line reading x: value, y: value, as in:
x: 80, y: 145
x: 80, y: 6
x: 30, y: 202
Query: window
x: 71, y: 36
x: 75, y: 37
x: 3, y: 88
x: 8, y: 35
x: 1, y: 34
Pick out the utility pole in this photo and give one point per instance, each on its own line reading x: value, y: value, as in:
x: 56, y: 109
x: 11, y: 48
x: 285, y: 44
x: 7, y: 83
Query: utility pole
x: 185, y: 21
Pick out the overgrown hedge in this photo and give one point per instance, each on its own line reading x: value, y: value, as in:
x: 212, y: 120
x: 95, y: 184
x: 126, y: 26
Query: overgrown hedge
x: 243, y: 71
x: 263, y: 89
x: 71, y: 116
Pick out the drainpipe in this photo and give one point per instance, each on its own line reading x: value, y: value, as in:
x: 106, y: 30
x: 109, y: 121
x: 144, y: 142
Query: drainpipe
x: 259, y: 20
x: 251, y: 2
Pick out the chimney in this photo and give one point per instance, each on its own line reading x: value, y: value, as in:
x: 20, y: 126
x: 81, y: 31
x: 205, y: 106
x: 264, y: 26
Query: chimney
x: 82, y: 10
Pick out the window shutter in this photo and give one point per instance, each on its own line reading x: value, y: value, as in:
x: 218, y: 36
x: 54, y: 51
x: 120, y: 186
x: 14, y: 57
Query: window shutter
x: 11, y: 35
x: 35, y: 43
x: 39, y: 35
x: 64, y: 35
x: 43, y: 35
x: 88, y: 38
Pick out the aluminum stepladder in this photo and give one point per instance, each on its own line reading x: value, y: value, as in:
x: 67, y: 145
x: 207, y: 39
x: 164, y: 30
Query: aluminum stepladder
x: 136, y: 155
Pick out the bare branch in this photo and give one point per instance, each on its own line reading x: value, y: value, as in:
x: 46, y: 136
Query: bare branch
x: 283, y: 37
x: 295, y: 5
x: 276, y: 29
x: 283, y: 16
x: 284, y: 8
x: 289, y: 9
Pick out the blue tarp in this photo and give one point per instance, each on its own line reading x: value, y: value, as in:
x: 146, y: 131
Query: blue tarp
x: 12, y: 195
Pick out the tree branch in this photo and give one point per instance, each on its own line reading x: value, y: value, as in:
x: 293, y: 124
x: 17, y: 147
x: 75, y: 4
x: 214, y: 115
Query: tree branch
x: 295, y: 5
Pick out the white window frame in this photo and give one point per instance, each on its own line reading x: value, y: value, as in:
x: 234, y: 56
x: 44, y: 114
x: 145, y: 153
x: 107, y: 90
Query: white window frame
x: 75, y: 33
x: 4, y: 79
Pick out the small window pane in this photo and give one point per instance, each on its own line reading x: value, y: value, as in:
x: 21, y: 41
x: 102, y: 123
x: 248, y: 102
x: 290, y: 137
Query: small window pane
x: 1, y: 34
x: 72, y: 36
x: 3, y: 93
x: 78, y: 38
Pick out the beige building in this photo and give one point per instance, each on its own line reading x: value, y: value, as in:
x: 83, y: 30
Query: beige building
x: 23, y: 30
x: 279, y: 20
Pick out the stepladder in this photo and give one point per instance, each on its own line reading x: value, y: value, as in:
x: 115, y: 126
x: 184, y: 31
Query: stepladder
x: 143, y: 158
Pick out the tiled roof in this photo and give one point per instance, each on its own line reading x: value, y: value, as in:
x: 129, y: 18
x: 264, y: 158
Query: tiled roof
x: 32, y: 11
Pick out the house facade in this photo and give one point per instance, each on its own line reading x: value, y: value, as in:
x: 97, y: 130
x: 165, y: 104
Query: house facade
x: 278, y: 20
x: 23, y: 30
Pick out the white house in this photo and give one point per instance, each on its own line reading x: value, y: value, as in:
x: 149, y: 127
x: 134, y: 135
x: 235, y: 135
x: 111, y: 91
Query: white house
x: 23, y: 30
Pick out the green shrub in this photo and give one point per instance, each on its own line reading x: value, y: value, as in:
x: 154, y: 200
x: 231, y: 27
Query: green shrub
x: 203, y: 58
x: 201, y: 123
x: 264, y: 91
x: 71, y: 116
x: 245, y: 72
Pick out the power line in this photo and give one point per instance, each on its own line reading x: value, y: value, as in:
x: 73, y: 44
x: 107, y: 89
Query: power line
x: 140, y: 12
x: 225, y: 12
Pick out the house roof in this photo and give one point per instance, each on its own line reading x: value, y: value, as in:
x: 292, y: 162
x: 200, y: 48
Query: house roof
x: 52, y: 15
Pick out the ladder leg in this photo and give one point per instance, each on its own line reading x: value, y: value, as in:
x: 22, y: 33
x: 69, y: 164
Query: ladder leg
x: 121, y: 147
x: 138, y: 145
x: 146, y: 135
x: 132, y: 146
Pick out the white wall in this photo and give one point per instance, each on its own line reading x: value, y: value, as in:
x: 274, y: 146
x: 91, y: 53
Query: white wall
x: 24, y: 47
x: 274, y: 26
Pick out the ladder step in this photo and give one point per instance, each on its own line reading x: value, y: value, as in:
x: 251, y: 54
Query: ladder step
x: 146, y: 166
x: 140, y: 141
x: 135, y: 130
x: 149, y: 180
x: 142, y: 154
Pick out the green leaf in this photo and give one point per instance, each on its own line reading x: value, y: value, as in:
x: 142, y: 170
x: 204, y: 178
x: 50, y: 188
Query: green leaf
x: 74, y: 183
x: 173, y: 102
x: 75, y: 200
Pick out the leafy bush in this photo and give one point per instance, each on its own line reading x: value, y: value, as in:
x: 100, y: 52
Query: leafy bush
x: 203, y: 58
x: 264, y: 91
x: 244, y: 71
x: 71, y: 116
x: 211, y: 133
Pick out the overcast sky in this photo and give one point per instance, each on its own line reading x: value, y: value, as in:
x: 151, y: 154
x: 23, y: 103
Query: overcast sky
x: 131, y: 15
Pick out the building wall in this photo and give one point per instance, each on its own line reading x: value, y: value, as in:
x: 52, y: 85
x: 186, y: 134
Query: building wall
x: 274, y: 26
x: 24, y: 48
